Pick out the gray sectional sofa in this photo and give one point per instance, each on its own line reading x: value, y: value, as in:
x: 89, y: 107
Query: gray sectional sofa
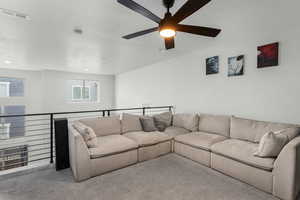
x: 224, y: 143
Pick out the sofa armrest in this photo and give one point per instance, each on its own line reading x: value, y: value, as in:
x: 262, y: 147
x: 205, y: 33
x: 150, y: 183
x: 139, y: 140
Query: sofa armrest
x: 79, y: 156
x: 286, y: 173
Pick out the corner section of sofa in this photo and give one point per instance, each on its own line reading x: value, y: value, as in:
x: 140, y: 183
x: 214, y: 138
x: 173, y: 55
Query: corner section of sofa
x: 79, y: 156
x: 286, y: 173
x: 197, y: 146
x: 113, y: 151
x: 235, y: 158
x: 173, y: 131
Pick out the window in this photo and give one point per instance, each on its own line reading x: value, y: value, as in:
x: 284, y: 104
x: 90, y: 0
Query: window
x: 11, y: 87
x: 12, y: 127
x: 83, y: 91
x: 4, y: 131
x: 4, y: 89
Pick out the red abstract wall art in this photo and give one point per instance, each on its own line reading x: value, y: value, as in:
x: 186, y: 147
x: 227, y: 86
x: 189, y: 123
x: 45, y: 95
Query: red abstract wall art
x: 268, y: 55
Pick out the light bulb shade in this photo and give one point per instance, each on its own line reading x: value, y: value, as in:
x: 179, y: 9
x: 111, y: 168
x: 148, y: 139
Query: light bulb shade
x: 167, y: 33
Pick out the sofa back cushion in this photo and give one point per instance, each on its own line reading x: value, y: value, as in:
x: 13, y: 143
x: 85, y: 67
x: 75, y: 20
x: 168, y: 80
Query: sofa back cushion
x: 187, y: 121
x: 290, y: 132
x: 131, y: 123
x: 104, y: 126
x: 218, y: 124
x: 252, y: 130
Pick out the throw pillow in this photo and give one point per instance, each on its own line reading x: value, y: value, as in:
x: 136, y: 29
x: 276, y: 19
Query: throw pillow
x: 87, y: 133
x: 148, y: 124
x: 271, y: 144
x: 163, y: 120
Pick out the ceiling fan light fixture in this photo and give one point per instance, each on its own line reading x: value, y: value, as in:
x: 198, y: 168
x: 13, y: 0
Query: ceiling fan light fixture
x: 167, y: 33
x: 170, y: 24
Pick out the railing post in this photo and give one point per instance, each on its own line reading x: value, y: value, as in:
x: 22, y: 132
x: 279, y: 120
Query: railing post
x: 144, y: 111
x: 51, y: 138
x: 103, y: 113
x: 108, y: 113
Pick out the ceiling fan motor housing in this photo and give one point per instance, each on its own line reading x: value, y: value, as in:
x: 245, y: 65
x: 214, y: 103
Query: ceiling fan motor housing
x: 166, y: 22
x: 168, y: 3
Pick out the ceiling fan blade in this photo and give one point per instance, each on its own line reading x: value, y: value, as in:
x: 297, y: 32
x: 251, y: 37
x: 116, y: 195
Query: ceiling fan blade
x: 140, y: 33
x: 198, y: 30
x: 188, y: 9
x: 140, y: 9
x: 169, y: 43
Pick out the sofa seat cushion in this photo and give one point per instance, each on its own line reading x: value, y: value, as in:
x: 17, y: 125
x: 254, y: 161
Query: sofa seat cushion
x: 148, y: 138
x: 200, y: 140
x: 175, y: 131
x: 242, y: 151
x: 112, y: 144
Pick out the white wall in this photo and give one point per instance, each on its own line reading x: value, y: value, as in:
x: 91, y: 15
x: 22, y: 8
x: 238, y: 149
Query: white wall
x: 33, y: 91
x: 265, y: 94
x: 55, y: 97
x: 45, y: 91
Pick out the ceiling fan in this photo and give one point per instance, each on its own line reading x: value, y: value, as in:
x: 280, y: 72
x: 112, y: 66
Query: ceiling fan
x: 168, y: 26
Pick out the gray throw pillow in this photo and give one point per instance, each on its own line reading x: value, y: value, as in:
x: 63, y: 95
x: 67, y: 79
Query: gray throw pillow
x: 148, y: 124
x: 163, y: 120
x: 271, y: 145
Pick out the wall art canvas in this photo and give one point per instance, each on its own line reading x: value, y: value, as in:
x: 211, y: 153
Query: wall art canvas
x: 236, y: 65
x: 267, y: 55
x: 212, y: 65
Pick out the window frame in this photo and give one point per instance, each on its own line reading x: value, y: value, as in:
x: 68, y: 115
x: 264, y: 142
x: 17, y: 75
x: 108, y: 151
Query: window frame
x: 76, y: 86
x: 81, y: 92
x: 5, y: 126
x: 7, y: 88
x: 18, y: 78
x: 85, y: 100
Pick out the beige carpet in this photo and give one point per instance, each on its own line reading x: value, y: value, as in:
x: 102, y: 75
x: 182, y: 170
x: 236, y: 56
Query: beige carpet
x: 169, y: 177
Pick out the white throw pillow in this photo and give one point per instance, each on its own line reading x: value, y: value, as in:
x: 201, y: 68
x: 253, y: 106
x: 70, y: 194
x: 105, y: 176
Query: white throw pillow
x: 87, y: 133
x: 271, y: 144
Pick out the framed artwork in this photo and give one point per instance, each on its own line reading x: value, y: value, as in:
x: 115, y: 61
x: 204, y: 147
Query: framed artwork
x: 212, y: 65
x: 267, y: 55
x: 236, y: 65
